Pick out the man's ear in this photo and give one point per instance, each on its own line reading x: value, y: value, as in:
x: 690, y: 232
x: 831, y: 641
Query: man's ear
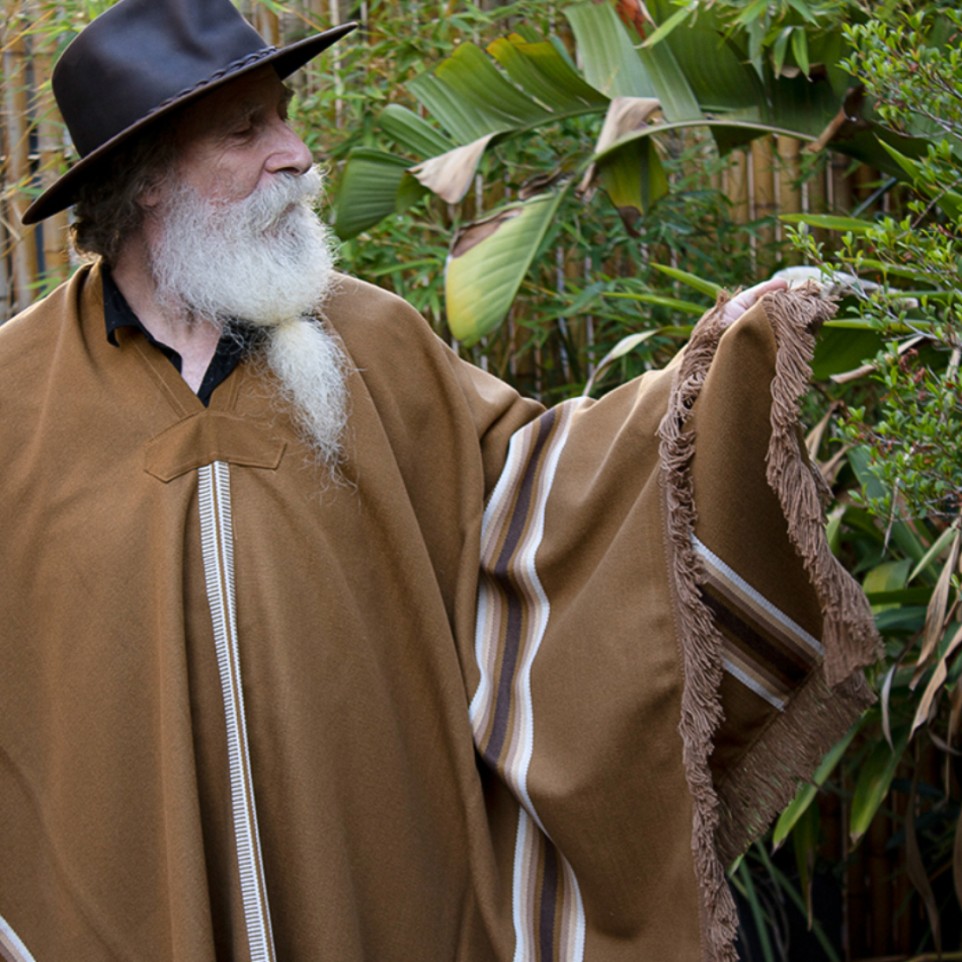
x: 151, y: 196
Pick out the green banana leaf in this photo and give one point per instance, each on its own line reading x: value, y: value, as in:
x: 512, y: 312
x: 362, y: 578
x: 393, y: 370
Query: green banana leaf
x: 611, y: 63
x: 411, y: 132
x: 470, y: 97
x: 373, y: 185
x: 539, y: 69
x: 488, y: 262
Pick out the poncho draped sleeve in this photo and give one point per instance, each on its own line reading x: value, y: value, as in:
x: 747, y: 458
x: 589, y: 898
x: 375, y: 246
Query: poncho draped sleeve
x: 665, y: 643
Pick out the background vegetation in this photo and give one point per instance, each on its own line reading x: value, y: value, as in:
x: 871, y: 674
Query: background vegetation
x: 625, y: 160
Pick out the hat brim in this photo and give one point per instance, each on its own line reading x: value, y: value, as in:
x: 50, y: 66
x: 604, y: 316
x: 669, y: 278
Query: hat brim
x: 285, y: 60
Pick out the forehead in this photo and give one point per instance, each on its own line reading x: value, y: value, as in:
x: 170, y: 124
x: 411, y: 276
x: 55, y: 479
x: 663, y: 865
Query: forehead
x: 257, y: 91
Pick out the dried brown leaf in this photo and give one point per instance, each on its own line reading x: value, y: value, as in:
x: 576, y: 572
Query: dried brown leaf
x: 634, y: 13
x: 886, y: 698
x: 449, y: 175
x: 813, y: 440
x: 846, y: 123
x: 625, y: 115
x: 473, y: 234
x: 935, y: 682
x: 936, y: 614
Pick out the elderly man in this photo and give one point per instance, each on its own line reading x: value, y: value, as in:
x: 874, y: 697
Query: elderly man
x: 320, y: 644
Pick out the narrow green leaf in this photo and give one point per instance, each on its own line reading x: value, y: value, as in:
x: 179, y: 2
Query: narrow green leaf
x: 692, y: 280
x: 663, y: 31
x: 829, y: 221
x: 800, y: 51
x: 539, y: 70
x: 947, y: 200
x: 611, y: 63
x: 900, y: 596
x: 660, y: 300
x: 488, y: 264
x: 874, y: 778
x: 780, y: 49
x: 805, y: 844
x: 906, y: 163
x: 625, y: 346
x: 752, y: 12
x: 804, y: 10
x: 808, y: 790
x: 930, y: 556
x: 895, y: 270
x: 759, y: 916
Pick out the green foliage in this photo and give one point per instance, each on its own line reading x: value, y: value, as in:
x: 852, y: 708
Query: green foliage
x: 505, y: 124
x: 911, y: 66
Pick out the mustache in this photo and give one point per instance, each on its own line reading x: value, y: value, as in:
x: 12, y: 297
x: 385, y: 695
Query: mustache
x: 268, y: 206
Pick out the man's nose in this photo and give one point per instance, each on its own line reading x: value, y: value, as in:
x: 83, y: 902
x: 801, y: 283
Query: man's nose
x: 289, y: 153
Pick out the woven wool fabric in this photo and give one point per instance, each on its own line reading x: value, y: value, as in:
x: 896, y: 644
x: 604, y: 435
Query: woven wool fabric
x: 515, y: 687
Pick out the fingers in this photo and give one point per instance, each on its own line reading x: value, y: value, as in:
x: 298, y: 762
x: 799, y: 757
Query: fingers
x: 742, y: 301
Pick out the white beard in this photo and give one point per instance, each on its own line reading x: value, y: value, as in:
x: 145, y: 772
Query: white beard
x: 265, y: 262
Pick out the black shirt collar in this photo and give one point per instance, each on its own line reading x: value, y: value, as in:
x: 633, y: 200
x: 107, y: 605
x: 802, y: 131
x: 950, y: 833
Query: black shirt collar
x: 232, y: 348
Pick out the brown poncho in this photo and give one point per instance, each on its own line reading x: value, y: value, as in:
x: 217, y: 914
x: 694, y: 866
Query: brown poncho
x: 248, y: 714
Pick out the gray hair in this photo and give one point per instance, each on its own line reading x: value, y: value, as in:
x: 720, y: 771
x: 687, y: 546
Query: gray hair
x: 108, y: 207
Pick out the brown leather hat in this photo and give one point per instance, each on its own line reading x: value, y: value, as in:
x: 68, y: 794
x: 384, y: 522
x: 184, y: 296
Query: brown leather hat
x: 140, y: 60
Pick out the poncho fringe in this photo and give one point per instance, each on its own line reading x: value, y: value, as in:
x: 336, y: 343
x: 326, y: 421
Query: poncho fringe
x: 729, y: 814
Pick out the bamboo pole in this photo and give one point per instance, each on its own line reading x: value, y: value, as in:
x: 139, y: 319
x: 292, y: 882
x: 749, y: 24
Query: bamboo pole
x: 789, y: 193
x: 816, y: 198
x: 763, y: 198
x: 336, y: 59
x: 736, y: 186
x: 840, y: 184
x: 50, y: 146
x: 17, y: 149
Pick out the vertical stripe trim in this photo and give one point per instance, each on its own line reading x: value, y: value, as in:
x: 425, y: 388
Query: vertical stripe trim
x: 217, y: 543
x: 513, y: 612
x: 12, y: 948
